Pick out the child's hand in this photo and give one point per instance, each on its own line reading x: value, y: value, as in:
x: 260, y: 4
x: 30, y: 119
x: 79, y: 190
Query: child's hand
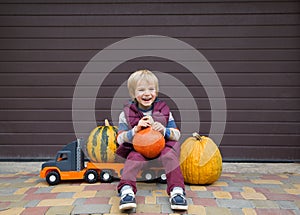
x: 144, y: 123
x: 157, y: 126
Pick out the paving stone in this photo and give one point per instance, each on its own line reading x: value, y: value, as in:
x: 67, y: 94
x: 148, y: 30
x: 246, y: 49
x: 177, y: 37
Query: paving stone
x: 159, y: 193
x: 97, y: 200
x: 114, y: 200
x: 4, y: 205
x: 85, y: 194
x: 35, y: 210
x: 197, y: 188
x: 236, y: 195
x: 56, y: 202
x: 11, y: 198
x: 32, y: 203
x: 236, y: 211
x: 205, y: 195
x: 268, y: 186
x: 105, y: 193
x: 143, y: 208
x: 277, y: 190
x: 249, y: 211
x: 8, y: 191
x: 297, y: 203
x: 205, y: 202
x: 234, y: 203
x: 22, y: 190
x: 249, y: 190
x: 264, y: 204
x: 249, y: 196
x: 296, y: 212
x: 217, y: 210
x: 222, y: 195
x: 163, y: 200
x: 44, y: 189
x: 264, y: 181
x: 65, y: 195
x: 143, y: 193
x: 19, y: 204
x: 287, y: 205
x: 274, y: 212
x: 220, y: 184
x: 166, y: 208
x: 191, y: 194
x: 140, y: 199
x: 279, y: 197
x: 150, y: 186
x: 40, y: 196
x: 91, y: 209
x: 60, y: 210
x: 242, y: 184
x: 213, y: 188
x: 232, y: 189
x: 79, y: 201
x: 196, y: 209
x: 67, y: 188
x: 114, y: 209
x: 150, y: 200
x: 12, y: 211
x: 293, y: 191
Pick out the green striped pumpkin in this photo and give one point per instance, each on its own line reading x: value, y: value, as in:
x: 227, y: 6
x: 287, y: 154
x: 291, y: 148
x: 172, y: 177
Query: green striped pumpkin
x: 102, y: 143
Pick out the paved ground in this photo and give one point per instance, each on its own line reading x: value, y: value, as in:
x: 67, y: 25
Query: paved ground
x: 240, y: 190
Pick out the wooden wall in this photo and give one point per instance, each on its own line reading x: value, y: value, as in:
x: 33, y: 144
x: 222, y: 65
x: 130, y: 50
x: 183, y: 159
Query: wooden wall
x: 253, y: 46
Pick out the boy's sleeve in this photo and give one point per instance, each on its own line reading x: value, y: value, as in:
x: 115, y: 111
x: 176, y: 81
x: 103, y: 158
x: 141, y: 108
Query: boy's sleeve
x: 124, y: 133
x: 172, y: 132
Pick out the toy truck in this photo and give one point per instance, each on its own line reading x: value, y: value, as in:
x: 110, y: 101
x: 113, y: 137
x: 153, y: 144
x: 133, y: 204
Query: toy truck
x: 70, y: 165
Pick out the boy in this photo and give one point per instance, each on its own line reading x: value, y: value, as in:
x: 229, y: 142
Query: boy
x: 146, y: 110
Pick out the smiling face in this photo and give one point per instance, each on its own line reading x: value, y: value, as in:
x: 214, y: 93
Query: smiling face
x: 145, y: 94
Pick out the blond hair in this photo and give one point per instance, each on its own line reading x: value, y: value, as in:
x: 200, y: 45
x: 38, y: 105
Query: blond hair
x: 135, y: 77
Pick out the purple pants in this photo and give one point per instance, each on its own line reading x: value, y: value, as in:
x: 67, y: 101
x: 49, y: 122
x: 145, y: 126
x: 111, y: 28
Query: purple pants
x: 169, y: 158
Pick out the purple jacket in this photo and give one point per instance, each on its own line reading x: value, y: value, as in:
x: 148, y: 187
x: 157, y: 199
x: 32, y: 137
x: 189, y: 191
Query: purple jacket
x: 160, y: 113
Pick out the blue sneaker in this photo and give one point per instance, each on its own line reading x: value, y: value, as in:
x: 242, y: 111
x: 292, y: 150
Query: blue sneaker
x: 127, y: 201
x: 178, y: 200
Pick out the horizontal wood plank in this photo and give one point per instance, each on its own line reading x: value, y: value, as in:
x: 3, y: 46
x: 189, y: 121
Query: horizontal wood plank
x: 186, y: 115
x: 237, y: 128
x: 154, y: 65
x: 211, y: 55
x: 97, y: 44
x: 149, y: 20
x: 150, y: 8
x: 57, y: 104
x: 128, y: 31
x: 117, y: 79
x: 19, y: 97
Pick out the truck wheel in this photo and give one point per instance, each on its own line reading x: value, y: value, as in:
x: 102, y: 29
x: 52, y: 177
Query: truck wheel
x: 106, y: 177
x: 148, y: 175
x: 53, y: 178
x: 91, y: 176
x: 162, y: 178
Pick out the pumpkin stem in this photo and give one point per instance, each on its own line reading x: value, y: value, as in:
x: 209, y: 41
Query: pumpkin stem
x: 197, y: 136
x: 106, y: 122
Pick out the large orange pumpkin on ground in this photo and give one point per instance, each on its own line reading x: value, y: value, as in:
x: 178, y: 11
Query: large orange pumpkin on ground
x: 200, y: 160
x: 148, y: 142
x: 102, y: 144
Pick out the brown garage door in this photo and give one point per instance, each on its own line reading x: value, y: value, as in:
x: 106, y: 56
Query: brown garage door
x: 253, y: 47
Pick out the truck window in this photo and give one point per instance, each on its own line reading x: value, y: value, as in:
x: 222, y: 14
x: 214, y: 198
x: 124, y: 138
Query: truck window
x: 62, y: 156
